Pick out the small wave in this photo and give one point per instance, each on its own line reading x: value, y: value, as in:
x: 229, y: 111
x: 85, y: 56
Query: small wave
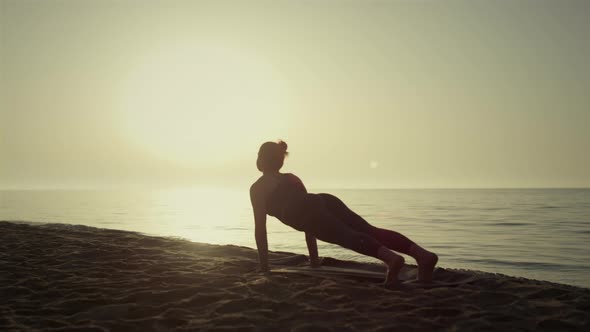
x: 236, y: 228
x: 509, y: 224
x: 550, y: 207
x: 108, y: 223
x: 524, y: 265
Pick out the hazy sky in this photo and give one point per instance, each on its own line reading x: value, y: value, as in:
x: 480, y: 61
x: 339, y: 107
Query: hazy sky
x: 366, y: 93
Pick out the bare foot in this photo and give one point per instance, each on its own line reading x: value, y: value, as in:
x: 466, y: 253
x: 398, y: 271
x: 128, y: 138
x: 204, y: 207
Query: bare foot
x: 426, y: 265
x: 394, y: 265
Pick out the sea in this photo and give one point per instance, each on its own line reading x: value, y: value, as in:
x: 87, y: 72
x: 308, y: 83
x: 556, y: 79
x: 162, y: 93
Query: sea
x: 539, y: 234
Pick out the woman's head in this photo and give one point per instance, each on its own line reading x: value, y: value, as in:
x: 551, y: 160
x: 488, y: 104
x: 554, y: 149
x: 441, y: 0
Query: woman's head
x: 271, y: 156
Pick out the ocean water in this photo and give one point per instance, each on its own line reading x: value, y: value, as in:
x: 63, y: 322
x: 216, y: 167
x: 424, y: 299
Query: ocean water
x: 534, y: 233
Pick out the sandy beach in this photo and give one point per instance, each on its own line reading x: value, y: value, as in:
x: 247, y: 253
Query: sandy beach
x: 77, y: 278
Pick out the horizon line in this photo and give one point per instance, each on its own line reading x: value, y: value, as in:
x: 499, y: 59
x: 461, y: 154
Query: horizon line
x: 97, y: 188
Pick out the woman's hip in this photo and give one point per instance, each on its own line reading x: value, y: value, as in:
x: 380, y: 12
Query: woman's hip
x: 300, y: 214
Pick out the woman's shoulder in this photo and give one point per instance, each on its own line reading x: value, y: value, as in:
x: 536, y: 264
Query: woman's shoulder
x: 257, y: 184
x: 292, y: 175
x: 264, y: 184
x: 294, y: 178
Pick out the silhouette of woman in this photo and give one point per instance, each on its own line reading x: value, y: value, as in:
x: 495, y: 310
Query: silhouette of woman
x: 324, y: 216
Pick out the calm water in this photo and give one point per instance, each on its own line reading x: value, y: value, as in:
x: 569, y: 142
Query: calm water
x: 534, y: 233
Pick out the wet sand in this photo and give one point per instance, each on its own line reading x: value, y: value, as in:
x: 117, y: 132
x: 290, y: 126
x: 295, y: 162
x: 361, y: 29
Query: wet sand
x: 77, y: 278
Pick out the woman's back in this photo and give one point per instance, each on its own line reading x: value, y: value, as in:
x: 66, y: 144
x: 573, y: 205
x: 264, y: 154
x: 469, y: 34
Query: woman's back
x: 288, y: 189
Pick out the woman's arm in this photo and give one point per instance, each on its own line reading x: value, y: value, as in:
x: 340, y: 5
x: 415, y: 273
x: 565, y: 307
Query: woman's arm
x: 260, y: 228
x: 262, y: 243
x: 312, y: 245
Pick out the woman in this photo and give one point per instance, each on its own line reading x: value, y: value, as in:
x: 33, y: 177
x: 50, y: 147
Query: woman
x: 324, y: 216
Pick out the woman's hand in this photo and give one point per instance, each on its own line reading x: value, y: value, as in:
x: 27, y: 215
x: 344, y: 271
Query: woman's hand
x: 263, y: 269
x: 315, y: 262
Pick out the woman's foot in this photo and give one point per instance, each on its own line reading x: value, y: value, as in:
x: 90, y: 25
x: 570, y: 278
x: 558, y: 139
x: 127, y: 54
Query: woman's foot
x: 426, y: 266
x: 426, y: 262
x: 394, y: 266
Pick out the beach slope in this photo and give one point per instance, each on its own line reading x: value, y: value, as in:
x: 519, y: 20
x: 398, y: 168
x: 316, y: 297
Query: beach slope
x: 64, y: 277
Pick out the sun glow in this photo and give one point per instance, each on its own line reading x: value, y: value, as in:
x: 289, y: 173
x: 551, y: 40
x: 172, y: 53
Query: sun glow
x: 188, y: 104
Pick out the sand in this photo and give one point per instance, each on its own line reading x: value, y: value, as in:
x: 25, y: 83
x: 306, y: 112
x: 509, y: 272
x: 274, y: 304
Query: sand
x: 77, y: 278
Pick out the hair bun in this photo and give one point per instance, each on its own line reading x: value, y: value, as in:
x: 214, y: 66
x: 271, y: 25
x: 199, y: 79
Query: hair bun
x: 282, y: 146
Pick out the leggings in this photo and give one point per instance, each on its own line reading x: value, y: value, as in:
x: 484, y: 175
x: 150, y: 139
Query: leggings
x: 327, y: 218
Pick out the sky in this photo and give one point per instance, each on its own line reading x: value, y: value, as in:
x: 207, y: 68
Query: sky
x: 367, y: 94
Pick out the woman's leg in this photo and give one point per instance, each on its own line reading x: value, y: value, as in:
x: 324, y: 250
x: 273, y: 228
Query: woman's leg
x: 326, y: 227
x: 391, y: 239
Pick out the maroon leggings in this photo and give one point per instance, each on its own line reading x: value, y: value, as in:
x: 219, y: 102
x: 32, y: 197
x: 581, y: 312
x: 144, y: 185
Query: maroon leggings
x: 330, y: 220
